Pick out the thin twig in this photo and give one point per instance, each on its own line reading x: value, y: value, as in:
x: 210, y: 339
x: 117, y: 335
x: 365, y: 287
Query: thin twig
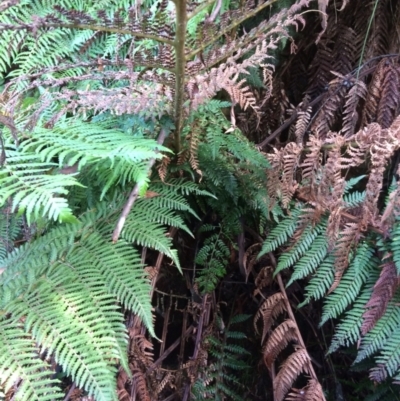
x: 92, y: 27
x: 170, y: 349
x: 215, y: 12
x: 70, y: 392
x: 7, y: 4
x: 293, y: 116
x: 135, y: 193
x: 180, y: 70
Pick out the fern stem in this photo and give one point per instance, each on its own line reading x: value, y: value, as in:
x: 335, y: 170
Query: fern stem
x: 366, y: 37
x: 237, y: 22
x: 180, y: 65
x: 135, y: 193
x: 200, y: 8
x: 96, y: 28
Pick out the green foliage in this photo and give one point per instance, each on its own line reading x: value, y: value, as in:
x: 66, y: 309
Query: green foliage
x: 63, y: 286
x: 395, y: 245
x: 213, y: 257
x: 280, y: 234
x: 360, y: 268
x: 232, y: 168
x: 308, y: 256
x: 31, y: 179
x: 220, y: 379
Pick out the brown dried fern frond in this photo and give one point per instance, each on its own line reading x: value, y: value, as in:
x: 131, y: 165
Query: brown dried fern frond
x: 312, y: 163
x: 302, y: 123
x: 162, y: 168
x: 291, y: 157
x: 332, y: 103
x: 390, y: 96
x: 139, y: 386
x: 270, y: 309
x: 274, y: 176
x: 296, y: 364
x: 378, y: 374
x: 370, y: 111
x: 331, y: 188
x: 278, y: 341
x: 350, y: 113
x: 378, y: 39
x: 382, y: 293
x: 348, y: 238
x: 344, y: 51
x: 194, y: 141
x: 263, y: 279
x: 386, y: 142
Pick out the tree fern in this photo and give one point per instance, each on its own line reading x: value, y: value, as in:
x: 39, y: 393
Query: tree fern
x: 78, y: 275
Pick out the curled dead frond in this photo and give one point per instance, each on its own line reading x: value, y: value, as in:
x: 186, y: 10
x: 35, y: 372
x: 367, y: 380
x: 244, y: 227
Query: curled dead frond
x: 278, y: 341
x: 294, y: 365
x: 270, y: 309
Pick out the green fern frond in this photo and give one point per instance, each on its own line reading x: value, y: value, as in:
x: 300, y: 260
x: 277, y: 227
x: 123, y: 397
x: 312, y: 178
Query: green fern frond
x: 67, y: 299
x: 389, y: 357
x: 353, y: 199
x: 10, y: 228
x: 20, y: 360
x: 291, y: 256
x: 139, y: 230
x: 220, y: 379
x: 281, y: 233
x: 33, y: 189
x: 213, y: 256
x: 75, y: 141
x: 321, y: 281
x: 385, y: 328
x: 310, y: 262
x: 348, y: 331
x: 395, y: 246
x: 361, y: 266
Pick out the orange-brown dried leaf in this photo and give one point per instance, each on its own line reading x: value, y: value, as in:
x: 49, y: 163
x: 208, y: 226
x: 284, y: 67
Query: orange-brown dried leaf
x: 278, y: 341
x: 295, y: 364
x: 270, y: 309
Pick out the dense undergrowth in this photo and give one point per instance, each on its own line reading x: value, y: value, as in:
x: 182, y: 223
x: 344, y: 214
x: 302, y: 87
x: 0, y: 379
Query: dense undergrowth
x: 199, y: 200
